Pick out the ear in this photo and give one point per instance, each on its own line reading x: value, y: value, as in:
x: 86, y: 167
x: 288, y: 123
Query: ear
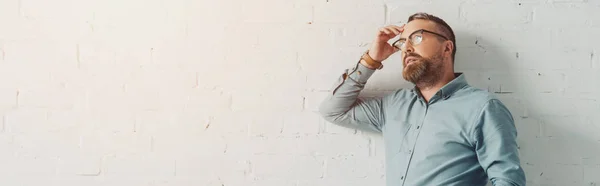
x: 448, y: 47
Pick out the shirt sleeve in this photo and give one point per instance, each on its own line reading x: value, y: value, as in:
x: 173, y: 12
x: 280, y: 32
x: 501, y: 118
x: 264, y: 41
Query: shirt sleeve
x: 496, y: 145
x: 345, y: 108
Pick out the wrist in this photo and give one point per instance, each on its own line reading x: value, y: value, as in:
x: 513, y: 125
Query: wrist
x: 364, y: 63
x: 369, y: 52
x: 370, y: 62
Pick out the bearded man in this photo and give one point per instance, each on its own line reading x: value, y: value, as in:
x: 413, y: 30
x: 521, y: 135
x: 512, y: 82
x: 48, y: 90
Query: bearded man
x: 440, y: 132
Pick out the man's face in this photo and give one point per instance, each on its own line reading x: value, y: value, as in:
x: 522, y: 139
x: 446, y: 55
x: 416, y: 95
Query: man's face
x: 422, y: 63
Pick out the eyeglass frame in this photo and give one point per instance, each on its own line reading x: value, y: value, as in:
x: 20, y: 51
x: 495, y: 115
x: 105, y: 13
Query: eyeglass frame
x: 410, y: 40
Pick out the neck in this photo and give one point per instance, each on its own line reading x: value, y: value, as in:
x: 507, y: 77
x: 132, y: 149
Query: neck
x: 428, y: 89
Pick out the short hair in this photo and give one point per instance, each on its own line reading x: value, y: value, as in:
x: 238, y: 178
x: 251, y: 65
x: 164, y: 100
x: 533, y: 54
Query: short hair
x: 442, y: 26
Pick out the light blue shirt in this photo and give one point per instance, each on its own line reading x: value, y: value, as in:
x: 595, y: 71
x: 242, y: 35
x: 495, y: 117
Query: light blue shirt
x: 463, y: 136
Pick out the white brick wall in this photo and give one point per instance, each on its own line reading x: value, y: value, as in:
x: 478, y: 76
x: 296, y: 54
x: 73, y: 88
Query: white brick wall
x: 224, y: 93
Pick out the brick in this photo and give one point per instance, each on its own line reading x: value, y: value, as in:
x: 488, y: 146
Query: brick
x: 564, y: 59
x: 377, y: 146
x: 270, y: 38
x: 591, y: 160
x: 574, y: 77
x: 167, y: 88
x: 595, y: 58
x: 475, y: 13
x: 353, y: 35
x: 271, y: 11
x: 225, y: 12
x: 272, y: 182
x: 345, y: 12
x: 344, y: 181
x: 569, y: 39
x: 21, y: 165
x: 556, y: 126
x: 263, y: 124
x: 488, y: 58
x: 287, y: 167
x: 221, y: 169
x: 124, y: 144
x: 235, y: 123
x: 322, y: 77
x: 568, y: 174
x: 170, y: 122
x: 400, y: 11
x: 116, y: 120
x: 529, y: 151
x: 569, y: 1
x: 243, y: 145
x: 330, y: 128
x: 590, y: 174
x: 26, y: 120
x: 50, y: 54
x: 540, y: 81
x: 131, y: 165
x: 201, y: 101
x: 559, y: 106
x: 105, y: 95
x: 10, y: 11
x: 8, y: 99
x: 348, y: 145
x: 517, y: 39
x: 283, y: 100
x: 547, y: 15
x: 39, y: 86
x: 313, y: 99
x: 566, y: 151
x: 302, y: 123
x: 56, y: 96
x: 593, y: 120
x: 2, y: 53
x: 80, y: 164
x: 351, y: 167
x: 311, y: 35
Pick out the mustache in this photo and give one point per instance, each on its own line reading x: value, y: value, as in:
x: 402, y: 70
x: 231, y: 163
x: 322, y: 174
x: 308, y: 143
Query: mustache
x: 411, y: 55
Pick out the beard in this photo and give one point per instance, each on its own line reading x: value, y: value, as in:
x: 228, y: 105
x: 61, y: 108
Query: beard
x: 423, y: 71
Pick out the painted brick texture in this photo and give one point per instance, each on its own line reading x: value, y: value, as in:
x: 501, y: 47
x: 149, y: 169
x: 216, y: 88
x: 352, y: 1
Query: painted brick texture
x: 225, y: 93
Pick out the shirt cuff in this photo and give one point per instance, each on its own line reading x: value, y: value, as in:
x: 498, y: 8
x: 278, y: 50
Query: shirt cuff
x: 361, y: 73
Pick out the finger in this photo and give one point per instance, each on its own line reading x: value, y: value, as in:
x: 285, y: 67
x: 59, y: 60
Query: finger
x: 392, y: 32
x: 385, y: 30
x: 399, y: 28
x: 395, y: 30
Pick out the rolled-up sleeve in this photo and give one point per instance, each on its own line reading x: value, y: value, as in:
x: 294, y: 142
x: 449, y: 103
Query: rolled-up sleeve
x: 343, y: 106
x: 496, y: 145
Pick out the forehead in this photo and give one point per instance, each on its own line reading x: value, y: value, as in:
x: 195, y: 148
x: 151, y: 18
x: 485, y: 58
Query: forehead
x: 417, y: 24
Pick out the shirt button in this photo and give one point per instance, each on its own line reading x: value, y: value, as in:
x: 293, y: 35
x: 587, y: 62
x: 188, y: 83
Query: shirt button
x: 401, y: 178
x: 418, y: 127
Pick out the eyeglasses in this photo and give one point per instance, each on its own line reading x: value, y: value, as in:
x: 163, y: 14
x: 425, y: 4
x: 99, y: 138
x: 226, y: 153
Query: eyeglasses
x: 415, y: 38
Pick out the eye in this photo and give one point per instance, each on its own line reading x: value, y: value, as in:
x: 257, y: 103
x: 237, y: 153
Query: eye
x: 399, y: 44
x: 417, y: 39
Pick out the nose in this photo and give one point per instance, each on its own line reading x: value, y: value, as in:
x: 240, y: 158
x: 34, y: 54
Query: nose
x: 408, y: 48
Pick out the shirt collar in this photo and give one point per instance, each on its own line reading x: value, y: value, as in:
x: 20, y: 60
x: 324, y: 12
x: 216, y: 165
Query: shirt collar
x: 450, y: 88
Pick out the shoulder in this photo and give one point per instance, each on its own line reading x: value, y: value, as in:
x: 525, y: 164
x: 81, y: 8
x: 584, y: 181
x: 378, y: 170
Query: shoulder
x: 480, y: 99
x: 488, y: 111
